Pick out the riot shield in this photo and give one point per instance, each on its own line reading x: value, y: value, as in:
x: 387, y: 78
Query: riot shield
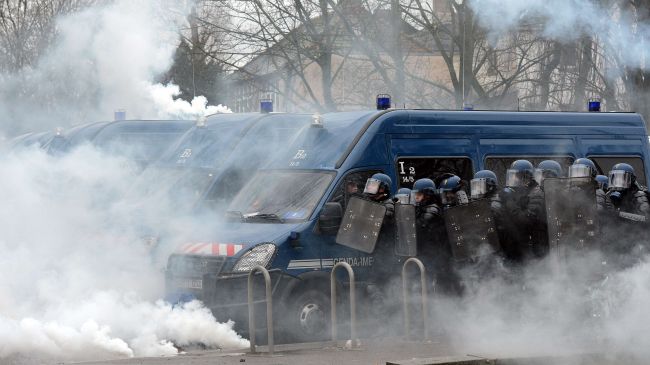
x: 571, y: 213
x: 406, y: 237
x: 471, y: 230
x: 361, y: 224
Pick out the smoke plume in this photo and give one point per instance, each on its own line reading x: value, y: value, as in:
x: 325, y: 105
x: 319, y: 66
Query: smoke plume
x: 77, y: 280
x: 105, y: 57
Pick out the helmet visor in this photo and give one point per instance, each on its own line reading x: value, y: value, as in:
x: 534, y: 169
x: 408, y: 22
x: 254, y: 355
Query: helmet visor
x: 515, y: 179
x: 579, y: 171
x: 403, y: 198
x: 478, y: 188
x: 448, y: 197
x: 417, y: 197
x: 372, y: 186
x: 619, y: 179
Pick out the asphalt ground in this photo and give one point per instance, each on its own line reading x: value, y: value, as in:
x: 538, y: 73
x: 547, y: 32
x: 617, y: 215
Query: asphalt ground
x: 371, y: 352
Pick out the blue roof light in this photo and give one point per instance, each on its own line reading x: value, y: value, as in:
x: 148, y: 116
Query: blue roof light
x: 594, y: 105
x: 266, y: 106
x: 468, y: 106
x: 119, y: 114
x: 383, y: 101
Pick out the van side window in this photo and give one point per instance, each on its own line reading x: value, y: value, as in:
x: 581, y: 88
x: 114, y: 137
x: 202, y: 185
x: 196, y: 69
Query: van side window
x: 351, y: 185
x: 605, y: 163
x: 499, y: 165
x: 410, y: 169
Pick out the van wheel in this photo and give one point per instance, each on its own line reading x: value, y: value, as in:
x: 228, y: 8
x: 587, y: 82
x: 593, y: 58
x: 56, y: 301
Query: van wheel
x: 308, y: 316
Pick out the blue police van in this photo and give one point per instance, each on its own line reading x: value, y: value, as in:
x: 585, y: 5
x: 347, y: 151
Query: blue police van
x: 283, y: 217
x: 142, y: 141
x: 210, y: 162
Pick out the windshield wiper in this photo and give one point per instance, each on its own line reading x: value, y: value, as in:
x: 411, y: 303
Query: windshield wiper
x: 264, y: 216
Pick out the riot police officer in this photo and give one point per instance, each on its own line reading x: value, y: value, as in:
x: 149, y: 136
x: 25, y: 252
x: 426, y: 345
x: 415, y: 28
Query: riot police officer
x: 403, y: 196
x: 603, y: 182
x: 450, y: 191
x: 427, y: 210
x: 484, y: 185
x: 524, y: 214
x: 625, y: 193
x: 377, y: 189
x: 584, y: 167
x: 547, y: 169
x: 433, y: 244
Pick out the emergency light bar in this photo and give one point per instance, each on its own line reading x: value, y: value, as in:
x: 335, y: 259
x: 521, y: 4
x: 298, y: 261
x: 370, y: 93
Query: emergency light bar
x: 266, y: 106
x: 468, y: 106
x: 594, y: 105
x: 383, y: 101
x: 119, y: 114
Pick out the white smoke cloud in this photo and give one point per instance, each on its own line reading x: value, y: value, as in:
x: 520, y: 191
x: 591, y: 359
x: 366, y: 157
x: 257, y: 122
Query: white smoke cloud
x: 568, y: 20
x: 105, y: 57
x: 77, y: 281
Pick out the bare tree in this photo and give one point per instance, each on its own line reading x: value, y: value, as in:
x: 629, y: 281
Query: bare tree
x: 27, y: 28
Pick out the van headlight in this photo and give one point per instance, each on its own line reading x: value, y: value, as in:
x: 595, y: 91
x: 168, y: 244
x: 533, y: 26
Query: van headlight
x: 258, y: 255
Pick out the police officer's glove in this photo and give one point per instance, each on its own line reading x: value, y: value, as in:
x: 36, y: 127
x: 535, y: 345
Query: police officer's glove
x: 615, y: 197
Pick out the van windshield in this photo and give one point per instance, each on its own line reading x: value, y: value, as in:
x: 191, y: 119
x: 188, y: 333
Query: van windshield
x: 280, y: 196
x: 181, y: 187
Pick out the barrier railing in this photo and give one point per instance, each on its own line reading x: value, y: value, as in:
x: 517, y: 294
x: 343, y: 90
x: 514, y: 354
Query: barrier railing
x: 425, y: 309
x: 269, y: 308
x: 353, y: 302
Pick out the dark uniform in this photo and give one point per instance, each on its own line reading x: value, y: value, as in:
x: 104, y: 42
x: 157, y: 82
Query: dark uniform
x: 524, y: 214
x: 433, y: 246
x: 626, y: 239
x: 377, y: 189
x: 484, y: 185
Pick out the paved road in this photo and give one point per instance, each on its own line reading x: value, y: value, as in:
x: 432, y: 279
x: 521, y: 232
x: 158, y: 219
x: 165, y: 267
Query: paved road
x: 373, y: 352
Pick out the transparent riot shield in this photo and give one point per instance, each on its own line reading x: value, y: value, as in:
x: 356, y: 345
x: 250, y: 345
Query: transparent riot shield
x: 571, y: 214
x: 406, y: 236
x: 471, y: 230
x: 361, y: 224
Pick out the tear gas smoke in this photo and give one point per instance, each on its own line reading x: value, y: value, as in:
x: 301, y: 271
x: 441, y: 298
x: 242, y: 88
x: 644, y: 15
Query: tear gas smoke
x: 77, y: 280
x: 105, y: 57
x: 609, y: 22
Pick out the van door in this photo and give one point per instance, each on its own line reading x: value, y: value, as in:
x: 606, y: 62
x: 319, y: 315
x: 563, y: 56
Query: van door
x: 349, y: 186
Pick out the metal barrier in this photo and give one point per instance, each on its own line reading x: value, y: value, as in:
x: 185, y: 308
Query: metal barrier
x: 269, y: 308
x: 353, y: 302
x: 423, y: 284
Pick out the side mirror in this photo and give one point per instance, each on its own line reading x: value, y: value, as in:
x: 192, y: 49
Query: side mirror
x: 330, y: 218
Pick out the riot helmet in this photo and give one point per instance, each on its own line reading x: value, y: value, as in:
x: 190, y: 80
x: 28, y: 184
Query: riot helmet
x: 484, y: 183
x: 520, y: 174
x: 603, y: 182
x: 423, y: 192
x: 547, y: 169
x: 583, y: 167
x: 403, y: 196
x: 378, y: 186
x: 621, y: 177
x: 450, y: 190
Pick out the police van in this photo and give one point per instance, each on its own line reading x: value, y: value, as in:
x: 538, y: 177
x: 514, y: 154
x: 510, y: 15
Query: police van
x: 208, y: 164
x: 287, y: 217
x: 142, y: 141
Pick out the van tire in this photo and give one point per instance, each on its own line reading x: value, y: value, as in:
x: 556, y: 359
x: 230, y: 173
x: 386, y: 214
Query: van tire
x: 307, y: 316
